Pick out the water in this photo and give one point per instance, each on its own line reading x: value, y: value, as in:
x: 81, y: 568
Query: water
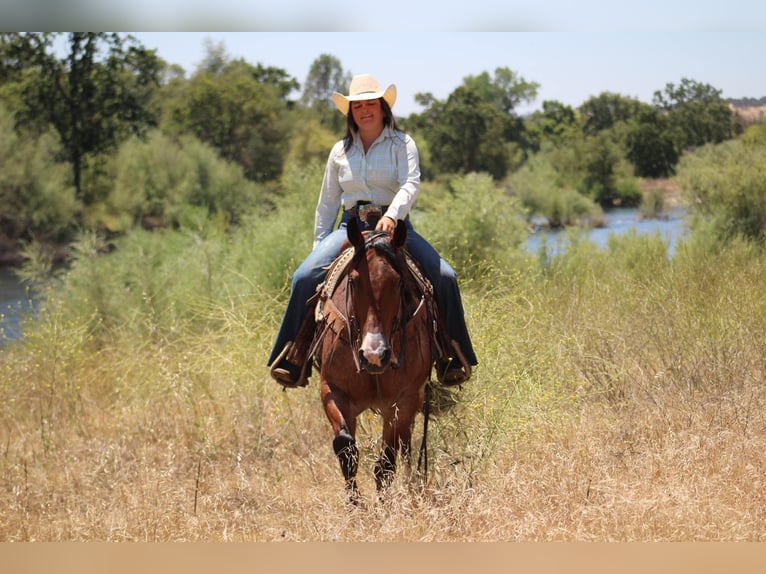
x: 14, y: 303
x: 618, y: 221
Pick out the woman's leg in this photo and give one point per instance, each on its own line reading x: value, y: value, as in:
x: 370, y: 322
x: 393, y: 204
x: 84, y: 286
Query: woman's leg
x: 309, y: 274
x: 446, y: 290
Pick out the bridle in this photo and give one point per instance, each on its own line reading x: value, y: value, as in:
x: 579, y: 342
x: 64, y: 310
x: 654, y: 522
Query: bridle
x: 347, y: 315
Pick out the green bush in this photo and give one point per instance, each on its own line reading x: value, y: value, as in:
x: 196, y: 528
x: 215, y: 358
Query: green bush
x: 158, y: 284
x: 726, y: 186
x: 543, y: 192
x: 475, y: 225
x: 653, y: 203
x: 35, y: 192
x: 628, y: 192
x: 156, y: 178
x: 755, y: 134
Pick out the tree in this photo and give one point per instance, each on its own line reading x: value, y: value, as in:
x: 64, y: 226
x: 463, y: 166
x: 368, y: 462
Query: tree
x: 99, y: 93
x: 606, y: 110
x: 650, y: 146
x: 474, y: 129
x: 601, y: 159
x: 37, y: 199
x: 326, y: 76
x: 556, y: 123
x: 725, y: 187
x: 696, y: 112
x: 216, y: 61
x: 240, y: 110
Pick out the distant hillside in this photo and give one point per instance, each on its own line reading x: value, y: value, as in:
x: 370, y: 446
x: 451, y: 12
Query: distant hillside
x: 748, y: 110
x: 747, y: 102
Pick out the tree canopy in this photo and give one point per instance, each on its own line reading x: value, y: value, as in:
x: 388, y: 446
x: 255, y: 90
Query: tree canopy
x: 100, y: 92
x: 472, y: 130
x: 696, y: 112
x: 240, y: 110
x: 325, y: 76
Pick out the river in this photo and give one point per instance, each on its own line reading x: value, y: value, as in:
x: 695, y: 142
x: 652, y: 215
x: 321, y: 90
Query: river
x: 671, y: 228
x: 14, y: 300
x: 14, y: 303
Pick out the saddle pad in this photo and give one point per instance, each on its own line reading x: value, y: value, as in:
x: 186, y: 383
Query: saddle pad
x: 327, y: 287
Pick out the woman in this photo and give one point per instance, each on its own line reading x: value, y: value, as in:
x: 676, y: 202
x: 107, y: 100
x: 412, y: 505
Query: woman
x: 374, y: 168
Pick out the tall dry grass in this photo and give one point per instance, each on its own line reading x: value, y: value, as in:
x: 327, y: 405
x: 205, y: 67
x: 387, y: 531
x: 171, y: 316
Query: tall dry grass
x: 619, y: 398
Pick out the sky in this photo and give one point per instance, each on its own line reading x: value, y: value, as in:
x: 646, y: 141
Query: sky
x: 414, y: 16
x: 573, y: 49
x: 569, y: 67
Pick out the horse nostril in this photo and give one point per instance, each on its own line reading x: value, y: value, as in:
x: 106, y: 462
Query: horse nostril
x: 375, y: 360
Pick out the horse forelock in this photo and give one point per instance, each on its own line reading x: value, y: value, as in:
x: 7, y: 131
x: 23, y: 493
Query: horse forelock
x: 380, y: 241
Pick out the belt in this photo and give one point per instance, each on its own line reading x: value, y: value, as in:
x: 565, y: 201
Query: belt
x: 365, y: 210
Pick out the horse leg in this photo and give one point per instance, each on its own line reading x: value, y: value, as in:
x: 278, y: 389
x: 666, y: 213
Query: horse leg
x: 347, y: 452
x: 397, y: 438
x: 385, y: 468
x: 344, y: 443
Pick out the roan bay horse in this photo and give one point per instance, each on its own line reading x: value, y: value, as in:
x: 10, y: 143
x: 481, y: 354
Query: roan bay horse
x: 373, y: 347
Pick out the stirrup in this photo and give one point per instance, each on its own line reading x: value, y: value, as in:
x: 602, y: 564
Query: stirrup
x: 290, y: 378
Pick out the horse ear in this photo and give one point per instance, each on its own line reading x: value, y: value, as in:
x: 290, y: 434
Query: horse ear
x: 400, y: 234
x: 353, y: 233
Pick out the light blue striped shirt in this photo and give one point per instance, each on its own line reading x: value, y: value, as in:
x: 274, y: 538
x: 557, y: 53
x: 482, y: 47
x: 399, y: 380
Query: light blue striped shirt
x: 388, y: 174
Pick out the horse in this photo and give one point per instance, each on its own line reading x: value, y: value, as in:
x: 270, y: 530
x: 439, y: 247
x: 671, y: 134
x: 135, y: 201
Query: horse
x: 373, y: 349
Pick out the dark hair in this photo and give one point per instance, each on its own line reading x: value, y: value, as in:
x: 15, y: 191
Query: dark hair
x: 352, y: 128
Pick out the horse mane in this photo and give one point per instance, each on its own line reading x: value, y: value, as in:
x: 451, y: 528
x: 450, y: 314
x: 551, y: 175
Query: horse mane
x: 400, y: 259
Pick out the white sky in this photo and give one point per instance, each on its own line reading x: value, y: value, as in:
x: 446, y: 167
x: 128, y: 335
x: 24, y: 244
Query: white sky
x: 570, y: 67
x: 573, y: 48
x: 400, y: 15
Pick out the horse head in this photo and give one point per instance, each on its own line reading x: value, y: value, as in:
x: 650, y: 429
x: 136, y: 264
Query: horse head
x: 375, y: 282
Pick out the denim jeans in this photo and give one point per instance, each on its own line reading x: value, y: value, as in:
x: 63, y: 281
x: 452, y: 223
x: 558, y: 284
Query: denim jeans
x: 312, y: 271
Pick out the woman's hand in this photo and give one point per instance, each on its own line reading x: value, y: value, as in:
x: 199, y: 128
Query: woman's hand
x: 386, y: 224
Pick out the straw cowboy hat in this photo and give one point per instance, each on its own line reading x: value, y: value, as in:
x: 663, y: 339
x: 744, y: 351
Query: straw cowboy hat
x: 364, y: 87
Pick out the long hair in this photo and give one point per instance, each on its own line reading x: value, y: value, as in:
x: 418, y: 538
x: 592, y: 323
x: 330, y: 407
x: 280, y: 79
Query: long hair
x: 352, y: 128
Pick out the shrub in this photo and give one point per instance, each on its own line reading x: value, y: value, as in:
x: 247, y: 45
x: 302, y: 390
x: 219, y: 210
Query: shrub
x: 35, y: 193
x: 543, y: 192
x: 653, y: 203
x: 628, y: 192
x: 476, y: 226
x: 726, y: 184
x: 156, y: 178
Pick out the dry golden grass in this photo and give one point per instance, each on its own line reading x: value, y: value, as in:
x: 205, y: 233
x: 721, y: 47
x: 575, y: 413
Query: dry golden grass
x: 585, y: 422
x: 671, y: 467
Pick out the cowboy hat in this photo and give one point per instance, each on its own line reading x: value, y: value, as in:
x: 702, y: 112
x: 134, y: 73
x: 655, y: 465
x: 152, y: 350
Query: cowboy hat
x: 364, y: 87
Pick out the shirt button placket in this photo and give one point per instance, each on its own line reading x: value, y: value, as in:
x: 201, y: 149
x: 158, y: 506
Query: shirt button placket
x: 364, y: 176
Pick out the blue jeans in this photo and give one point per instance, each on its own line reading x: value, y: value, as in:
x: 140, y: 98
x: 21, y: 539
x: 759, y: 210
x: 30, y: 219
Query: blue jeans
x: 312, y: 271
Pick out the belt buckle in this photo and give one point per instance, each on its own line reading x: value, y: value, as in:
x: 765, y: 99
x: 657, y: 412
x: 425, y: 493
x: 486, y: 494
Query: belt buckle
x: 369, y: 210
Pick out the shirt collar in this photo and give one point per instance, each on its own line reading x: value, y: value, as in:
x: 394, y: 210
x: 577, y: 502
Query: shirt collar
x: 386, y: 133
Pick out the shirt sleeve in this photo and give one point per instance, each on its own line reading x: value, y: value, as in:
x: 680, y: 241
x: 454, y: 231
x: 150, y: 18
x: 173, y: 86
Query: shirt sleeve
x: 329, y: 202
x: 408, y: 173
